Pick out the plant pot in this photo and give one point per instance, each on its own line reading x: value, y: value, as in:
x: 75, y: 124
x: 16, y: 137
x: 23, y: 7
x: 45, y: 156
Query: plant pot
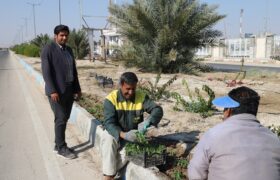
x: 148, y: 160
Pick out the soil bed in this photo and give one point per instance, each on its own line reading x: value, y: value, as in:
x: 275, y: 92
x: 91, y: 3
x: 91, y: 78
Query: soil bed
x: 184, y: 126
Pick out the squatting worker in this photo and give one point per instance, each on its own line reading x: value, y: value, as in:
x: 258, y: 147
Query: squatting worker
x: 239, y: 148
x: 123, y: 111
x: 61, y: 85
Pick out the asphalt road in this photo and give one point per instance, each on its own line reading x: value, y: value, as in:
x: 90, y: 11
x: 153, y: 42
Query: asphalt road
x: 233, y: 67
x: 26, y: 132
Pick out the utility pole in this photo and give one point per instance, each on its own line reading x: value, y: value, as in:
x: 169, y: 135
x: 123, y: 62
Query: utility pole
x: 34, y: 21
x: 21, y: 29
x: 225, y: 30
x: 240, y: 24
x: 242, y: 44
x: 59, y: 9
x: 25, y: 22
x: 81, y: 12
x: 266, y: 18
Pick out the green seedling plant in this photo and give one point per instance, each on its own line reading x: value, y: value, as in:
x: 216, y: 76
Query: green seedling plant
x: 183, y: 163
x: 155, y: 91
x: 142, y: 146
x: 177, y: 175
x: 275, y: 129
x: 96, y: 110
x: 180, y: 166
x: 93, y: 105
x: 197, y: 103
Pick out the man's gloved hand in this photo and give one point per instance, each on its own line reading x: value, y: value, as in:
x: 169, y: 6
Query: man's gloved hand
x: 130, y: 135
x: 143, y: 126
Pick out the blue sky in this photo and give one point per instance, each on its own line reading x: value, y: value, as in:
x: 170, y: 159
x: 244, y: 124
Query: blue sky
x: 14, y: 14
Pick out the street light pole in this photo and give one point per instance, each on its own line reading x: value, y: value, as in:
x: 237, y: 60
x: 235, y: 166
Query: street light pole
x: 34, y: 21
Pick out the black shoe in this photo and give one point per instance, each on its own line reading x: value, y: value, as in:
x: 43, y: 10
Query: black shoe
x: 55, y: 149
x: 66, y: 153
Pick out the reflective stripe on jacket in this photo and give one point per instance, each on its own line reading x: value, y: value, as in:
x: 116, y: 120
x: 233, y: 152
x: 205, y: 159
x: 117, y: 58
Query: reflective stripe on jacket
x: 123, y: 115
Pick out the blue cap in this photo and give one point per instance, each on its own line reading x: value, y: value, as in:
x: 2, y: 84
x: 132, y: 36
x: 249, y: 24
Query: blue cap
x: 225, y: 102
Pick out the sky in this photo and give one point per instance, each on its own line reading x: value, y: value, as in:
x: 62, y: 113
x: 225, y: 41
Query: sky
x: 17, y: 17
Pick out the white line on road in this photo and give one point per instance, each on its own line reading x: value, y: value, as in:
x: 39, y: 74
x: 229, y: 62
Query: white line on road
x: 51, y: 164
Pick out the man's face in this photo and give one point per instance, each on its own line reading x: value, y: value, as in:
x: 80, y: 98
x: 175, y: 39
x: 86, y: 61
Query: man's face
x: 61, y: 38
x: 128, y: 90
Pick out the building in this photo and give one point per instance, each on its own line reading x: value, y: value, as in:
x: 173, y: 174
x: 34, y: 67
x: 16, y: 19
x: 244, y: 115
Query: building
x: 262, y: 48
x: 252, y: 48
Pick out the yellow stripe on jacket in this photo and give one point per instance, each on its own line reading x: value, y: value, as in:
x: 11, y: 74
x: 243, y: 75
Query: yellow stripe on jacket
x: 127, y: 105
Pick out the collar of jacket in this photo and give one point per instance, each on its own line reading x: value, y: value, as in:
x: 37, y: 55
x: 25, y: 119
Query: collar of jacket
x: 243, y: 117
x: 60, y: 47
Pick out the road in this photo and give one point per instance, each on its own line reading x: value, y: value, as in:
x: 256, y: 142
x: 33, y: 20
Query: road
x: 235, y: 67
x: 26, y: 132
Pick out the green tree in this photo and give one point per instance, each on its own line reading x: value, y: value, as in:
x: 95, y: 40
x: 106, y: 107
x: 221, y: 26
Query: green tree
x: 163, y: 35
x: 79, y: 43
x: 41, y: 40
x: 31, y: 50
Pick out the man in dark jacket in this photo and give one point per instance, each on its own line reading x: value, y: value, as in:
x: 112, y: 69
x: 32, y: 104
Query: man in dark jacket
x: 123, y: 117
x: 61, y: 84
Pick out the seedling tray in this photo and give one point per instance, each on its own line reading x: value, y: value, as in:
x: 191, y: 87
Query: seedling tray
x: 148, y: 160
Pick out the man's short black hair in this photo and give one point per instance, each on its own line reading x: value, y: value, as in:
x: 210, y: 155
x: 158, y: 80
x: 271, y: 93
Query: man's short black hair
x: 128, y: 78
x: 60, y: 28
x: 247, y: 98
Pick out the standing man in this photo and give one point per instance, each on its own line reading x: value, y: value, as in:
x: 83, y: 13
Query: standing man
x: 61, y: 85
x: 123, y: 117
x: 239, y: 148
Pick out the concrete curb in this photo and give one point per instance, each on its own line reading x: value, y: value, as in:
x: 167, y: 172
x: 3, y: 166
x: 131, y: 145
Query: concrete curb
x: 91, y: 128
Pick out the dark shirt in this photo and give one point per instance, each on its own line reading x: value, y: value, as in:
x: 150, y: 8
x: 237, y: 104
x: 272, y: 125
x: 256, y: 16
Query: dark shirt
x: 69, y: 64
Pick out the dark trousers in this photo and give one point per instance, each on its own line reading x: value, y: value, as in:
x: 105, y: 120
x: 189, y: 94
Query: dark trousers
x: 62, y: 111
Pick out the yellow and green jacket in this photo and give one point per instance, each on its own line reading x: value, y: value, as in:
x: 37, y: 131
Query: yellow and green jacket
x: 124, y: 115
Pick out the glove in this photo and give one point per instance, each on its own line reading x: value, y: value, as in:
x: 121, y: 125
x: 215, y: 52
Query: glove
x: 143, y: 126
x: 130, y: 135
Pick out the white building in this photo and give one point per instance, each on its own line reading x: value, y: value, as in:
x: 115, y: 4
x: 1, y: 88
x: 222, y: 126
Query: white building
x: 113, y: 39
x: 252, y: 48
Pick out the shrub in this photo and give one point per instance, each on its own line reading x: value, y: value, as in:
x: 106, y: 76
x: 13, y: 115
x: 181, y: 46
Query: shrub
x: 31, y: 50
x: 155, y: 91
x: 197, y: 104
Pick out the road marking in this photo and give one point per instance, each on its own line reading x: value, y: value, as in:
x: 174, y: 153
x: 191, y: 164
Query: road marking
x: 50, y: 162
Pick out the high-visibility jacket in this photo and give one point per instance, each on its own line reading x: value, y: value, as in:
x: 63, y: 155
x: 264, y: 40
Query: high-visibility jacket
x: 124, y: 115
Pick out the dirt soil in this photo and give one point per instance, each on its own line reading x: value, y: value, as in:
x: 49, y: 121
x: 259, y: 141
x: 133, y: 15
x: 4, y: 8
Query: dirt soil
x: 265, y: 83
x: 185, y: 125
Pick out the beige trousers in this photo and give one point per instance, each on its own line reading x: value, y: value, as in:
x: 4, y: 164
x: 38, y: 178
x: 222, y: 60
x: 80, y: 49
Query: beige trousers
x: 113, y: 158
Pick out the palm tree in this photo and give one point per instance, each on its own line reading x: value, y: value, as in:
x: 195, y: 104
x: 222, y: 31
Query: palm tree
x: 41, y: 40
x: 79, y: 43
x: 164, y: 34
